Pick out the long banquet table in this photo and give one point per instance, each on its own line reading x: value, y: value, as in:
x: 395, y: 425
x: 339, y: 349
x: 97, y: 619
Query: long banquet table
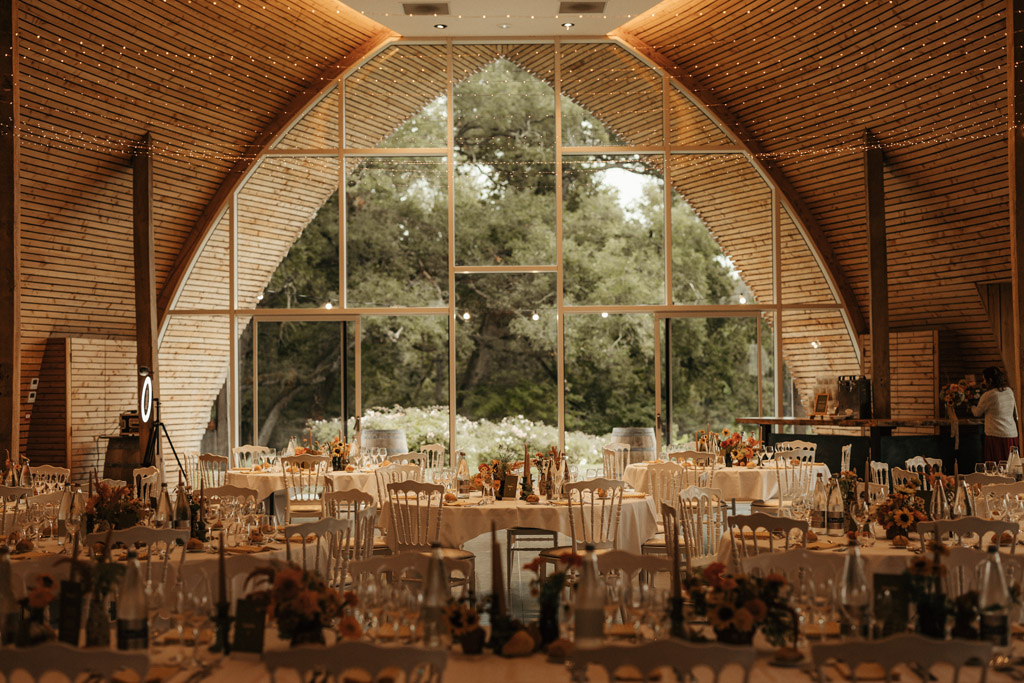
x: 268, y: 482
x: 741, y: 483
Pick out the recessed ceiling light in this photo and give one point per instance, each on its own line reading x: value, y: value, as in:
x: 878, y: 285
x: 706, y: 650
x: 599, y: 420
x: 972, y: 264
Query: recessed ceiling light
x: 504, y: 26
x: 568, y: 25
x: 440, y: 25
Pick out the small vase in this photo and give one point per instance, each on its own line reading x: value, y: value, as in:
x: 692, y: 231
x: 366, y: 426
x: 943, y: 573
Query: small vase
x: 548, y: 623
x: 97, y: 623
x: 731, y: 636
x: 473, y: 642
x: 308, y: 633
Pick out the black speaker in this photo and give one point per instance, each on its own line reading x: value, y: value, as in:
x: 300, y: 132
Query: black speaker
x: 855, y: 395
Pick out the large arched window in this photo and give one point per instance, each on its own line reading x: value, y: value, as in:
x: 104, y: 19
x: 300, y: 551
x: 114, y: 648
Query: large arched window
x: 553, y: 233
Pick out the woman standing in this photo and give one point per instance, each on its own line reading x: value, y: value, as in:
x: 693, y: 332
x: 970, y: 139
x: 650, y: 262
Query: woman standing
x: 998, y: 407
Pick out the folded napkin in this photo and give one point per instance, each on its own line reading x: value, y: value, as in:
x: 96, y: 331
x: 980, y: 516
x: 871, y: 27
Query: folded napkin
x: 248, y: 549
x: 633, y: 494
x: 460, y: 503
x: 821, y: 545
x: 558, y: 502
x: 31, y: 555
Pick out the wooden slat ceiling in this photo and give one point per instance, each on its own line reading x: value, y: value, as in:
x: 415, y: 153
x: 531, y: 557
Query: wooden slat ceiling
x: 205, y: 78
x: 928, y: 78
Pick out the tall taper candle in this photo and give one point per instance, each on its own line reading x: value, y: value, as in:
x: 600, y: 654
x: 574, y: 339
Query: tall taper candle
x: 497, y: 580
x: 222, y: 580
x: 526, y: 470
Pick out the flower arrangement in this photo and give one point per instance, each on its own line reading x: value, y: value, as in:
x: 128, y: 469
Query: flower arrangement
x: 962, y: 393
x: 549, y: 591
x: 738, y: 605
x: 923, y: 582
x: 901, y: 511
x: 708, y: 441
x: 848, y: 481
x: 115, y: 506
x: 303, y: 604
x: 463, y: 620
x: 736, y: 449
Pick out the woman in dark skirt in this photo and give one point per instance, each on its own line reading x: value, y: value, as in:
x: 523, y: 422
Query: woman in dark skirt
x: 999, y: 408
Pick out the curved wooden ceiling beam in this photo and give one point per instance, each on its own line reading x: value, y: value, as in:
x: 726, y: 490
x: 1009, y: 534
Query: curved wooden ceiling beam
x: 718, y: 112
x: 249, y: 157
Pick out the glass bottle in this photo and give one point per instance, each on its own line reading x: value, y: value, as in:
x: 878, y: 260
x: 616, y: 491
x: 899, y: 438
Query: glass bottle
x: 162, y: 517
x: 819, y: 506
x: 435, y: 598
x: 589, y: 608
x: 132, y: 627
x: 994, y: 601
x: 938, y: 507
x: 834, y: 513
x: 1014, y: 467
x: 462, y: 475
x: 182, y: 512
x: 854, y: 594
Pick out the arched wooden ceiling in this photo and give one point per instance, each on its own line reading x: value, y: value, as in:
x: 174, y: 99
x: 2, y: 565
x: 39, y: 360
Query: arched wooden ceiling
x: 208, y: 79
x: 928, y: 78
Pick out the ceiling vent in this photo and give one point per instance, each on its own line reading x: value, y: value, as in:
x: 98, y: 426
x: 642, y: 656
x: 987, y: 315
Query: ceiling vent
x: 581, y: 7
x: 436, y: 9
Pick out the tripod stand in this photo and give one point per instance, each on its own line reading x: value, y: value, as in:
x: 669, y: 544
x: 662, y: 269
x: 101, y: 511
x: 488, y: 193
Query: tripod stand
x: 153, y: 443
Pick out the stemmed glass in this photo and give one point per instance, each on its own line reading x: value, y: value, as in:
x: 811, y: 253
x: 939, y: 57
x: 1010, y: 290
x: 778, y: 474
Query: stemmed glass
x: 201, y: 613
x: 861, y: 513
x: 156, y: 599
x: 557, y: 478
x: 822, y: 602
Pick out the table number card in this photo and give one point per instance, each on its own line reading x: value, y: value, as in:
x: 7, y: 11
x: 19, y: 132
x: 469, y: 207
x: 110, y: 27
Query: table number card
x: 510, y: 487
x: 250, y: 624
x: 892, y: 604
x: 69, y: 620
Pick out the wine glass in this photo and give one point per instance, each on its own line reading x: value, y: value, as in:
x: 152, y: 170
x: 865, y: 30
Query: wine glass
x: 861, y: 513
x: 822, y: 602
x: 612, y: 597
x: 200, y: 614
x: 979, y: 468
x: 156, y: 597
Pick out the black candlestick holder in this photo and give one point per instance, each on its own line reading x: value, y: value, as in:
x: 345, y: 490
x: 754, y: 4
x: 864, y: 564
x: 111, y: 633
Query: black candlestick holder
x: 223, y: 622
x: 675, y: 615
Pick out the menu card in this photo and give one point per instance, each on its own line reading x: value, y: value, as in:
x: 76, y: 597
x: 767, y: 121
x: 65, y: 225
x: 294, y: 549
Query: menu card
x: 250, y: 624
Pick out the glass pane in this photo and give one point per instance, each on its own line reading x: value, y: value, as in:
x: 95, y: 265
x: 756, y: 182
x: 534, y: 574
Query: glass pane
x: 318, y: 129
x: 208, y: 283
x: 722, y: 238
x: 816, y: 347
x: 288, y: 234
x: 398, y: 99
x: 613, y: 226
x: 245, y: 432
x: 713, y: 370
x: 397, y: 231
x: 504, y: 155
x: 298, y: 377
x: 405, y: 376
x: 688, y: 125
x: 621, y: 92
x: 767, y: 365
x: 609, y: 379
x: 506, y: 364
x: 803, y: 281
x: 194, y: 361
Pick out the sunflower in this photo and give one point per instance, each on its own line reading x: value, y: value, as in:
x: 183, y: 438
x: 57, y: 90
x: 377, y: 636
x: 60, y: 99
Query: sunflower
x: 349, y: 628
x: 722, y: 617
x: 743, y: 620
x: 903, y: 518
x: 756, y: 608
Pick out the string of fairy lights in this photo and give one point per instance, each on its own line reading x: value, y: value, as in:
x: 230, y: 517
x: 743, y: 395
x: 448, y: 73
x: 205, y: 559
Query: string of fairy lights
x: 57, y: 69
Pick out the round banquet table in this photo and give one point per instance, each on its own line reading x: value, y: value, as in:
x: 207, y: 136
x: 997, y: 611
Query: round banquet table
x: 741, y: 483
x: 467, y: 519
x: 267, y: 483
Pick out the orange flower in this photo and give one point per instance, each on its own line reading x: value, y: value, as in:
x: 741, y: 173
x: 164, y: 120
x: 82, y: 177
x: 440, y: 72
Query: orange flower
x: 722, y: 616
x: 349, y: 628
x: 350, y: 598
x: 713, y: 573
x: 39, y: 597
x: 571, y: 559
x: 728, y: 583
x: 535, y: 565
x: 287, y: 583
x: 308, y: 603
x: 743, y: 620
x: 757, y: 609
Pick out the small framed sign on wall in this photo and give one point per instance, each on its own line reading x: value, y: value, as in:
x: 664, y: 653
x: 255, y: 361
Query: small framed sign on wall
x: 820, y: 405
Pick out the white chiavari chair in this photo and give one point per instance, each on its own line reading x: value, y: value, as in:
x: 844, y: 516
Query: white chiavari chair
x: 351, y: 505
x: 325, y: 538
x: 701, y: 524
x: 48, y: 478
x: 190, y: 463
x: 967, y: 528
x: 304, y: 477
x: 664, y: 482
x: 593, y: 518
x: 999, y: 490
x: 145, y: 480
x: 757, y: 527
x: 846, y: 456
x: 922, y: 467
x: 415, y: 521
x: 410, y: 567
x: 900, y: 477
x: 629, y: 565
x: 982, y: 479
x: 876, y: 492
x: 213, y: 469
x: 880, y: 473
x: 71, y: 662
x: 379, y: 662
x: 797, y: 564
x: 247, y: 455
x: 393, y: 474
x: 648, y: 659
x: 914, y: 650
x: 614, y: 457
x: 148, y: 541
x: 114, y: 483
x: 434, y: 453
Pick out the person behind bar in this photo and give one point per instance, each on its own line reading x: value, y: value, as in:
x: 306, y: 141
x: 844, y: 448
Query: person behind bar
x: 998, y: 406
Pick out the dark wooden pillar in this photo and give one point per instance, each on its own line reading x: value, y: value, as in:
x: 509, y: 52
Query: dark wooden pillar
x: 10, y: 234
x: 145, y: 278
x: 1014, y: 55
x: 874, y: 184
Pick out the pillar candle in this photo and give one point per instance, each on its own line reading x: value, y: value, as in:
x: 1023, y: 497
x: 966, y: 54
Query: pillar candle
x: 526, y: 467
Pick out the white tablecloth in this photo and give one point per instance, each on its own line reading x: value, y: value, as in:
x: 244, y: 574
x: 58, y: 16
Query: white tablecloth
x: 741, y: 483
x: 460, y: 524
x: 266, y: 483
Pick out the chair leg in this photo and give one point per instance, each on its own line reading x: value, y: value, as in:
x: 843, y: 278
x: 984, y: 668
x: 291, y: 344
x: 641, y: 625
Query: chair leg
x: 508, y: 562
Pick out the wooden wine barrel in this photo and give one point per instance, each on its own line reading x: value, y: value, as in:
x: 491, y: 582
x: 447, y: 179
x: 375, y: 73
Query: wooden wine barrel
x: 640, y: 440
x: 122, y: 458
x: 391, y: 439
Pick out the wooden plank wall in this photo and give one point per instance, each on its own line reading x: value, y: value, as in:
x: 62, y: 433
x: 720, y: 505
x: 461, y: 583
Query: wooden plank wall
x: 103, y: 385
x: 48, y: 438
x: 914, y: 364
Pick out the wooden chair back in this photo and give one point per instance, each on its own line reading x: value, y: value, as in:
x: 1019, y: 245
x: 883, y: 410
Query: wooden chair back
x: 146, y: 480
x: 326, y: 539
x: 379, y: 662
x: 758, y: 527
x: 916, y: 650
x: 393, y: 474
x: 683, y: 658
x: 415, y: 513
x: 48, y: 478
x: 615, y: 457
x: 213, y: 469
x: 594, y: 519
